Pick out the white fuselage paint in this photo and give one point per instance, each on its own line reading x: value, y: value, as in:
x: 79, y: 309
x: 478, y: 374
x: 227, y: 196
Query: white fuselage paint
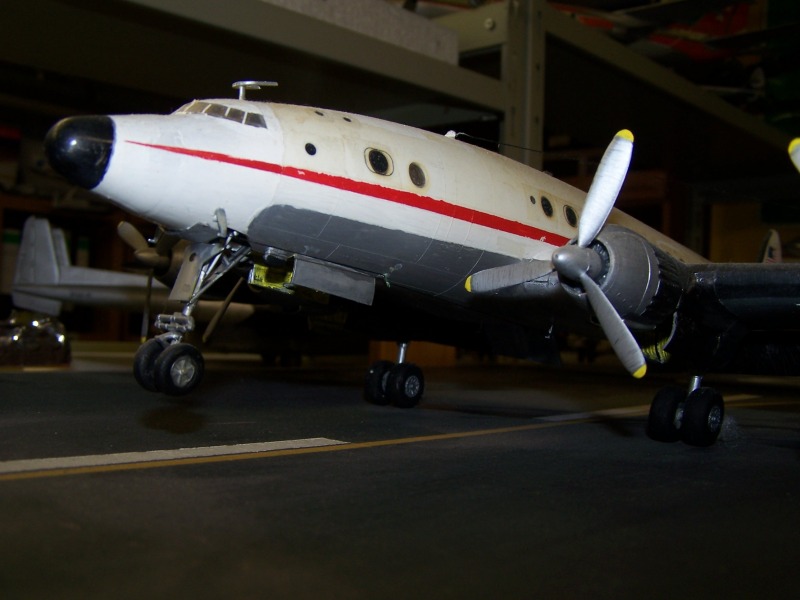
x: 178, y: 170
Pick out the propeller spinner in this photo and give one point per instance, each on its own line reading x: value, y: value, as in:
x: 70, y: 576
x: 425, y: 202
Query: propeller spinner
x: 577, y: 262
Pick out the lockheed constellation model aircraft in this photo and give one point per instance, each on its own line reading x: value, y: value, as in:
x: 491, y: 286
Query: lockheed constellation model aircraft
x: 479, y: 249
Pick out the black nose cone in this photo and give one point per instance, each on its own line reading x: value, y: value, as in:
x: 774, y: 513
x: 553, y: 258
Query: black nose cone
x: 79, y: 148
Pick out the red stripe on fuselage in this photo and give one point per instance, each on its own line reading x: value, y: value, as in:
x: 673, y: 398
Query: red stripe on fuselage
x: 377, y: 191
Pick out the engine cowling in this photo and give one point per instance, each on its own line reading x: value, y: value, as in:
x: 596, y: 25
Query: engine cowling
x: 641, y: 282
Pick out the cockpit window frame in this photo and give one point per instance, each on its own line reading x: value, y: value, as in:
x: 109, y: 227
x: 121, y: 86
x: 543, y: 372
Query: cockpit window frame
x: 237, y: 115
x: 254, y: 119
x: 223, y: 111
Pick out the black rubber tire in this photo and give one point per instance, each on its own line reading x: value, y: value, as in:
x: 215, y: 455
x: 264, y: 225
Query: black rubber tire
x: 703, y: 415
x: 664, y: 420
x: 179, y: 369
x: 144, y: 363
x: 375, y: 383
x: 405, y: 385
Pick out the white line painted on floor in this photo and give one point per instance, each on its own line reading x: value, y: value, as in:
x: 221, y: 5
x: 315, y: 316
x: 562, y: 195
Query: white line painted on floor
x: 100, y: 460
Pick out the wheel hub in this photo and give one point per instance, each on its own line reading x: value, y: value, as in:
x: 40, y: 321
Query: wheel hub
x: 183, y: 371
x: 715, y: 419
x: 412, y: 386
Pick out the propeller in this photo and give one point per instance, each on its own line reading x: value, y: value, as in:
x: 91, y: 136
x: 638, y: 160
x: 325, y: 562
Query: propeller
x: 577, y: 262
x: 157, y: 258
x: 605, y: 187
x: 794, y: 152
x: 153, y: 257
x: 132, y: 236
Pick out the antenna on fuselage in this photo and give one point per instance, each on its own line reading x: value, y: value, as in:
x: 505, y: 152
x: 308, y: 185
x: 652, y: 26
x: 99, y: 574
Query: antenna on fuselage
x: 252, y: 85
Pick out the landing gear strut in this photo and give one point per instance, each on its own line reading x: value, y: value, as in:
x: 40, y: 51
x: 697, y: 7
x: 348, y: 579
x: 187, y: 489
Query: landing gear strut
x: 165, y: 363
x: 695, y: 417
x: 400, y: 384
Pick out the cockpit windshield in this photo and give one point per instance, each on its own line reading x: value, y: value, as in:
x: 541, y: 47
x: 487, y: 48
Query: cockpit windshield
x: 230, y: 113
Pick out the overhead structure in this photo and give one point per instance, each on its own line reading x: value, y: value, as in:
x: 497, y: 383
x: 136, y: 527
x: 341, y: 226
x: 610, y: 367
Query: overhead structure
x: 560, y: 76
x: 552, y: 75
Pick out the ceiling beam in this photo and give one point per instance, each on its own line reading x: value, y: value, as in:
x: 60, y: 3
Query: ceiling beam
x: 266, y: 22
x: 602, y: 48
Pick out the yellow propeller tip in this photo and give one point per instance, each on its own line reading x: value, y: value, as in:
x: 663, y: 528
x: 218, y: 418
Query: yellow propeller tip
x: 625, y: 134
x: 640, y: 372
x: 794, y: 144
x: 468, y: 284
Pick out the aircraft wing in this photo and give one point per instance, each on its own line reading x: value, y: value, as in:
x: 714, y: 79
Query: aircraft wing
x: 761, y: 296
x: 741, y: 317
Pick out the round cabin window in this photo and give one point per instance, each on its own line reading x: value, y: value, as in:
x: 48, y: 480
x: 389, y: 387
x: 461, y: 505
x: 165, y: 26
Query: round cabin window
x: 379, y: 162
x: 572, y: 216
x: 547, y: 206
x: 417, y: 175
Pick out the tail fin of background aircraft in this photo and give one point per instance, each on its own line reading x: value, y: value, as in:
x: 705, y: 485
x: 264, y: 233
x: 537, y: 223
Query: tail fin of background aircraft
x: 771, y: 251
x: 45, y: 277
x: 38, y: 264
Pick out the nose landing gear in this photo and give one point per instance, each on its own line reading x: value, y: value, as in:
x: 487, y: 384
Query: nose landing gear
x: 174, y: 369
x: 165, y: 363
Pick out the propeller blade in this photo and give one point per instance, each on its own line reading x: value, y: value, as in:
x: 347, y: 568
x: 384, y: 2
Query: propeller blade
x: 605, y: 187
x: 794, y: 152
x: 151, y: 258
x: 132, y: 236
x: 497, y: 278
x: 622, y: 341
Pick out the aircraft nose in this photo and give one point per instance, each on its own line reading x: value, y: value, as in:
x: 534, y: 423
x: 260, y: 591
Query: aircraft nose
x: 79, y: 148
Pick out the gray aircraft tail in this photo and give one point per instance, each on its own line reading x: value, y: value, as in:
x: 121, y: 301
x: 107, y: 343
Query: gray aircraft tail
x: 45, y: 278
x: 771, y: 251
x: 38, y: 264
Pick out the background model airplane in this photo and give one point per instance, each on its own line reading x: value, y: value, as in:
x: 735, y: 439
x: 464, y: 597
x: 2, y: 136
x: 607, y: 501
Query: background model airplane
x: 414, y: 223
x: 284, y: 328
x: 45, y: 278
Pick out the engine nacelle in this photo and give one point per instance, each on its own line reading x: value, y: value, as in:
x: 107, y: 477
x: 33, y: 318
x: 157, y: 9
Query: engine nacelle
x: 642, y: 282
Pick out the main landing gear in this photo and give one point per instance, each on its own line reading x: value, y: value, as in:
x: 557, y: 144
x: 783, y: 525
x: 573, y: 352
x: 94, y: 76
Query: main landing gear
x: 694, y: 417
x: 400, y: 384
x: 166, y: 363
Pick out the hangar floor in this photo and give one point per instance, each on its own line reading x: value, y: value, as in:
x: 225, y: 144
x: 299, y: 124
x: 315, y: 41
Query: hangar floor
x: 508, y: 482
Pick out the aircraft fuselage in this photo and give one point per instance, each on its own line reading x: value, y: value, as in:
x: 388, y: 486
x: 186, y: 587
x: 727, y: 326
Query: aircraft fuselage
x: 416, y: 209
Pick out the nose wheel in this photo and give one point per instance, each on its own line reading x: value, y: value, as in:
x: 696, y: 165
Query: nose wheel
x: 174, y: 369
x: 164, y: 363
x: 144, y: 363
